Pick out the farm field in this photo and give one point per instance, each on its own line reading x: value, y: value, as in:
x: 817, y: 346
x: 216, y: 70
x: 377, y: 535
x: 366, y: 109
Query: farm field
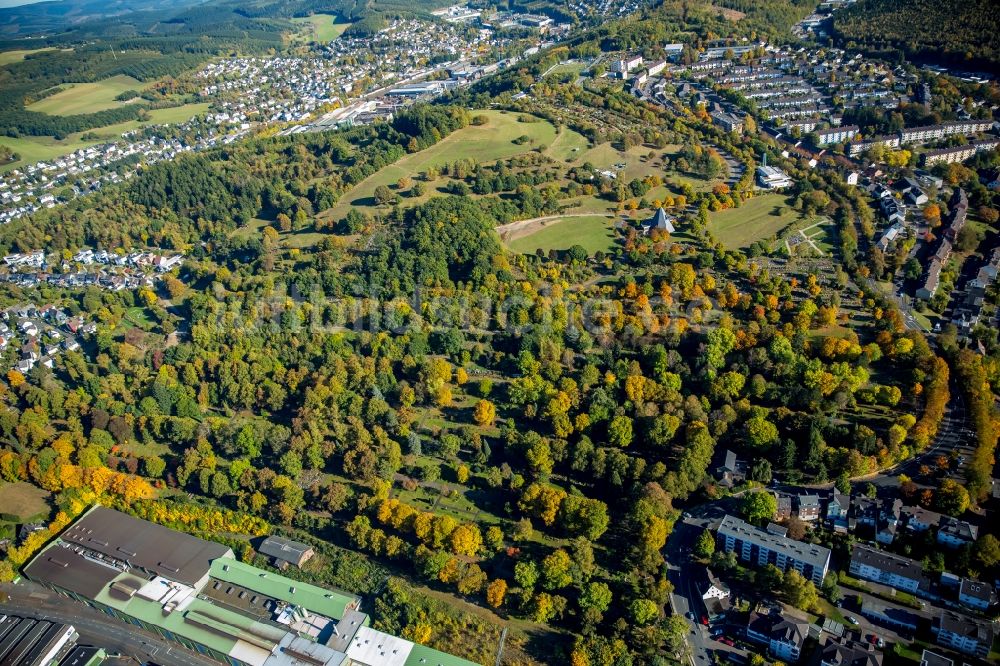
x: 23, y: 500
x: 324, y: 27
x: 752, y: 221
x: 17, y: 55
x: 592, y: 232
x: 485, y: 143
x: 87, y: 97
x: 35, y: 148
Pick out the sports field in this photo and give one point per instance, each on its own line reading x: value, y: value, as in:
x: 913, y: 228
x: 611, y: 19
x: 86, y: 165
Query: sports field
x: 87, y: 97
x: 760, y: 218
x: 592, y: 232
x: 322, y: 27
x: 33, y: 149
x: 484, y: 143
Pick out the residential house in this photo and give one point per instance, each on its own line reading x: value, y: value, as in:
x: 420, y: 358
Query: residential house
x: 919, y: 519
x: 954, y: 533
x: 932, y: 278
x: 888, y: 521
x: 864, y: 511
x: 915, y: 197
x: 958, y: 206
x: 846, y: 652
x: 784, y: 637
x: 890, y: 235
x: 760, y: 548
x: 964, y: 634
x: 808, y: 507
x: 891, y: 210
x: 976, y: 594
x: 731, y: 471
x: 714, y: 594
x: 895, y: 571
x: 784, y: 510
x: 837, y: 510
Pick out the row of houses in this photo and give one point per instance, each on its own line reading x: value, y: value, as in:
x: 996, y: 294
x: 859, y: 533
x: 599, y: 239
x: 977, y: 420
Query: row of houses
x: 922, y: 135
x: 958, y: 213
x: 956, y: 154
x: 785, y: 635
x: 969, y: 308
x: 908, y: 575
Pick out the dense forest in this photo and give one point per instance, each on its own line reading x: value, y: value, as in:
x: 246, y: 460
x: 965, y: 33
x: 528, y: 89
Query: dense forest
x: 964, y: 33
x: 430, y: 409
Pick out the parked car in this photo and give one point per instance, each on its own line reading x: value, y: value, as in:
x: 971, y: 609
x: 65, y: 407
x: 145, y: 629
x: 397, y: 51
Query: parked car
x: 853, y: 620
x: 727, y: 641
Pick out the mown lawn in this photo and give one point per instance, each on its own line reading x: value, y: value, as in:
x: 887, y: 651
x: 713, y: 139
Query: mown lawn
x: 754, y: 220
x: 568, y: 145
x: 592, y: 232
x: 23, y: 500
x: 323, y: 27
x: 485, y: 143
x: 87, y: 97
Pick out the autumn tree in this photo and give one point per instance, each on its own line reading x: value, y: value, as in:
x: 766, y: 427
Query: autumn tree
x: 495, y: 592
x: 484, y: 413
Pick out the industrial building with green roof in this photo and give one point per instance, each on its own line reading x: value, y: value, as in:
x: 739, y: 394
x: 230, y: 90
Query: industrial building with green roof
x: 196, y: 593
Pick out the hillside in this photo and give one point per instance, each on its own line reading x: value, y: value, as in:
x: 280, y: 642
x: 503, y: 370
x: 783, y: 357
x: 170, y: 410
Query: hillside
x: 964, y: 33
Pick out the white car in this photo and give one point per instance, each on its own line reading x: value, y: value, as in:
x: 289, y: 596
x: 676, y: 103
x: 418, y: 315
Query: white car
x: 852, y: 619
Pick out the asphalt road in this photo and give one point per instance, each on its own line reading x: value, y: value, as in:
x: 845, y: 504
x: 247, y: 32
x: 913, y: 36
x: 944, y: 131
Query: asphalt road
x: 27, y: 599
x: 954, y: 434
x: 684, y: 575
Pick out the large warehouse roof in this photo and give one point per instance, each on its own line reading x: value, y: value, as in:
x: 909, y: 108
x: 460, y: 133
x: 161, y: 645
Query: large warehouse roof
x: 160, y: 550
x: 70, y: 571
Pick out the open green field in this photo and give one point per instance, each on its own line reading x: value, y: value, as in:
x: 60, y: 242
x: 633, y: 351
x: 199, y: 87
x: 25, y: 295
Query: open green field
x: 485, y: 143
x: 752, y: 221
x: 176, y: 114
x: 568, y: 145
x: 322, y: 27
x: 87, y: 97
x: 8, y: 57
x: 593, y: 232
x: 574, y: 67
x: 36, y: 148
x: 23, y: 500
